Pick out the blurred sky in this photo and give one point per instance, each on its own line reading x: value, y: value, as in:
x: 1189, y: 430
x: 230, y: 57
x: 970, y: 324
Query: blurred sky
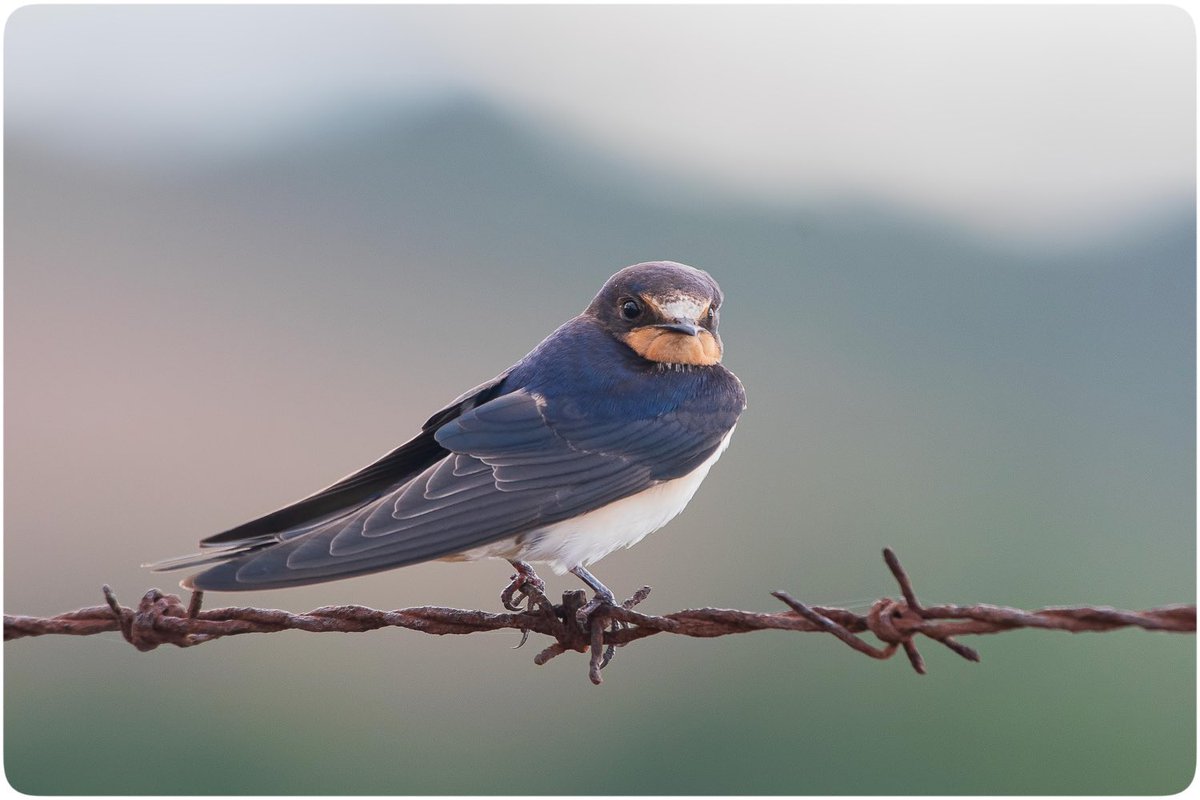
x: 1037, y: 121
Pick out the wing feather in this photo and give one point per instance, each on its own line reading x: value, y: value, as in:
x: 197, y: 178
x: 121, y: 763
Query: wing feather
x: 509, y: 465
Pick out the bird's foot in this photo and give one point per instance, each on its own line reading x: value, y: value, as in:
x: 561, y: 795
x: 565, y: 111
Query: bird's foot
x: 595, y: 618
x: 526, y: 586
x: 600, y: 602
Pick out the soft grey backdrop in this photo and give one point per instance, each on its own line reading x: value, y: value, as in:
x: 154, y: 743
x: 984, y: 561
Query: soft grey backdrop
x: 249, y: 249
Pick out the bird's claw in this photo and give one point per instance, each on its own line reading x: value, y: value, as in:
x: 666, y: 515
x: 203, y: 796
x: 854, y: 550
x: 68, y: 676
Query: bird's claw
x: 526, y: 586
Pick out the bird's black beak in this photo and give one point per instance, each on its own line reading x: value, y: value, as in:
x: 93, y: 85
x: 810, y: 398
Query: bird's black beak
x: 679, y: 326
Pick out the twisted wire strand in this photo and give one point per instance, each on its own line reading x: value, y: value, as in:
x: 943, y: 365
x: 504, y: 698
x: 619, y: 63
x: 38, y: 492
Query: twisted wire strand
x: 164, y: 619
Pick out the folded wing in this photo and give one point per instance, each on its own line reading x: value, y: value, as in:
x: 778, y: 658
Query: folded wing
x: 509, y: 465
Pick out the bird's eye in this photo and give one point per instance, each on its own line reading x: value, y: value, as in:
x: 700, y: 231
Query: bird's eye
x: 631, y: 309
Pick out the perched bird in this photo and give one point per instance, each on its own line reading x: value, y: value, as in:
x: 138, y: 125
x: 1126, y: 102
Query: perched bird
x: 597, y: 437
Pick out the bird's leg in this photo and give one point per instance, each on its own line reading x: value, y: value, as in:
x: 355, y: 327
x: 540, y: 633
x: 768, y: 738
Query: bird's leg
x: 524, y: 581
x: 603, y: 593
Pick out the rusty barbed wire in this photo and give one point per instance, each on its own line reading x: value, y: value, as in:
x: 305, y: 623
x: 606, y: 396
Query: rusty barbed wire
x: 163, y: 619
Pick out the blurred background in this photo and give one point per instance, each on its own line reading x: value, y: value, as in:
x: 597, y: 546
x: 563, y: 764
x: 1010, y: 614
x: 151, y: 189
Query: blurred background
x: 958, y: 249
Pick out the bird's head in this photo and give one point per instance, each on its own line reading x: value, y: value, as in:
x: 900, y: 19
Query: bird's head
x: 664, y: 311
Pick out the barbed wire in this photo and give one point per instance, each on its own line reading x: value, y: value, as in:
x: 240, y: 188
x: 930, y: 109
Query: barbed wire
x: 600, y: 628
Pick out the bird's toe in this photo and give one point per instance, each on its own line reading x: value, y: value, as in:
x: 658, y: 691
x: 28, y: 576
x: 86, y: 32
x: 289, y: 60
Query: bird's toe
x: 525, y: 587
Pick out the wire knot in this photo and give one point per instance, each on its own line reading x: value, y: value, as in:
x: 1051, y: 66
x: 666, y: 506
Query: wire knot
x: 892, y: 621
x: 144, y: 628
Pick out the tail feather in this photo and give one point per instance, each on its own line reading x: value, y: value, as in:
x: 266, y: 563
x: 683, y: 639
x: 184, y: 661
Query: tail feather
x: 212, y: 555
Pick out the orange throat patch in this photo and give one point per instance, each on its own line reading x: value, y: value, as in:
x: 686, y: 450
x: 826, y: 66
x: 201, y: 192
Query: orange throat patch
x: 672, y: 347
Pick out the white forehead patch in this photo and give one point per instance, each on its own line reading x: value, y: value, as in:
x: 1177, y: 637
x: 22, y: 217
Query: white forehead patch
x: 682, y: 307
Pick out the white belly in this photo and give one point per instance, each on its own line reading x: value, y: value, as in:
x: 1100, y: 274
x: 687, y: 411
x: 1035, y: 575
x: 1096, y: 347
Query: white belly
x: 582, y: 540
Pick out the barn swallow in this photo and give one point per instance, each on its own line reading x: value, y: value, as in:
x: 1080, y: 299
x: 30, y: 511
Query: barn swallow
x: 597, y: 437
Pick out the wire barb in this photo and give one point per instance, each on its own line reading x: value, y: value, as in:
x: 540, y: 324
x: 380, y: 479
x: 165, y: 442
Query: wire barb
x: 164, y: 619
